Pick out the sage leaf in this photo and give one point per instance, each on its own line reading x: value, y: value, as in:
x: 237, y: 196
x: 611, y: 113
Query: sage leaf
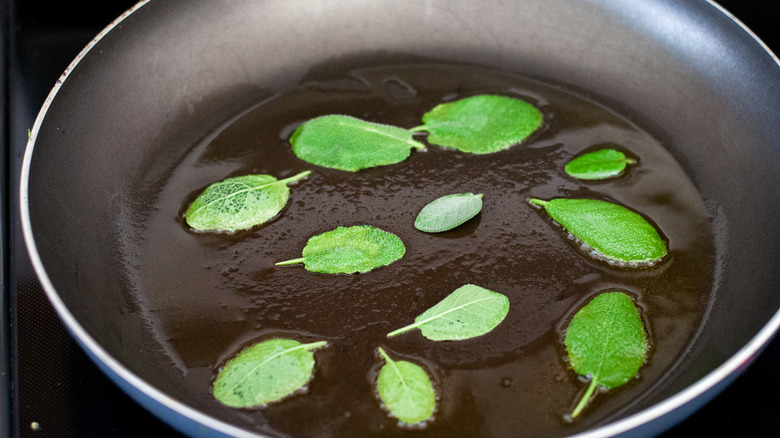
x: 481, y: 124
x: 347, y: 250
x: 265, y: 372
x: 468, y: 312
x: 600, y: 164
x: 406, y: 390
x: 448, y: 212
x: 613, y: 232
x: 606, y: 340
x: 240, y: 203
x: 348, y: 143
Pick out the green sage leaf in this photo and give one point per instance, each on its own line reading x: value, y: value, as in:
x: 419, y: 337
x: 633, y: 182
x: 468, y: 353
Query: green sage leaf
x: 406, y: 390
x: 606, y: 339
x: 266, y: 372
x: 468, y: 312
x: 240, y: 203
x: 347, y: 143
x: 612, y: 231
x: 347, y: 250
x: 481, y: 124
x: 600, y: 164
x: 448, y: 212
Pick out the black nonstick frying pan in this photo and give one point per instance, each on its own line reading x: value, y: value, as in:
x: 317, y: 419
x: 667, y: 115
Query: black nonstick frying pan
x: 168, y: 74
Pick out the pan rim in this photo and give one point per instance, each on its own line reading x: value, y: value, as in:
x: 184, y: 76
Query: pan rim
x: 706, y: 387
x: 96, y: 352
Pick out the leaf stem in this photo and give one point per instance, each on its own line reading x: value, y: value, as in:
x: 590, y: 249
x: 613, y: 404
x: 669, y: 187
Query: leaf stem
x: 295, y: 178
x: 417, y: 145
x: 384, y: 355
x: 585, y: 398
x: 314, y: 345
x: 421, y: 128
x: 291, y: 262
x: 403, y: 330
x: 538, y: 202
x: 418, y: 324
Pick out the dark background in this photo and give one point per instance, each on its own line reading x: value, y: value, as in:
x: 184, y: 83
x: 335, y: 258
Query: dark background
x: 49, y: 388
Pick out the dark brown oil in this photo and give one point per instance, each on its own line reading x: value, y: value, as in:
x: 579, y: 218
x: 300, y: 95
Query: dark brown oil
x: 210, y: 295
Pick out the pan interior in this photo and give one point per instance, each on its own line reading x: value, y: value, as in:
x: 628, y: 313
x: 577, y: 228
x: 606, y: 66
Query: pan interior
x: 209, y: 295
x: 113, y: 144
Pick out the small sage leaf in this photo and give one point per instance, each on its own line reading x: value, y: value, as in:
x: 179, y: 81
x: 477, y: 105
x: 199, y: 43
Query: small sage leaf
x: 614, y: 232
x: 406, y: 390
x: 266, y: 372
x: 348, y: 143
x: 448, y: 212
x: 468, y: 312
x: 347, y: 250
x: 606, y: 340
x: 481, y: 124
x: 239, y: 203
x: 600, y: 164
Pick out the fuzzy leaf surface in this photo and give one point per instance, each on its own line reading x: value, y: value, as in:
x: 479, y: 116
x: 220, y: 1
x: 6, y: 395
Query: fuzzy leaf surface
x: 239, y: 203
x: 614, y: 231
x: 468, y: 312
x: 448, y: 212
x: 600, y: 164
x: 481, y: 124
x: 350, y: 144
x: 265, y: 372
x: 406, y: 390
x: 606, y: 339
x: 347, y: 250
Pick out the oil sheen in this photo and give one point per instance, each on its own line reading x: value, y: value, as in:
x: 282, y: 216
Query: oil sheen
x: 208, y: 295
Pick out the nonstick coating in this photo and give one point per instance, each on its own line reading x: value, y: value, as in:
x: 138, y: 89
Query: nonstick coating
x: 169, y: 73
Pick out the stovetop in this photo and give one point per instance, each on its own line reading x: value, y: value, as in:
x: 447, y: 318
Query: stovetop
x: 48, y: 386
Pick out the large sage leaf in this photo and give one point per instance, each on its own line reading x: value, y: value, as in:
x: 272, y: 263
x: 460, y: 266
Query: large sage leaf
x: 613, y: 231
x: 266, y: 372
x: 240, y: 203
x: 406, y: 390
x: 347, y: 250
x: 351, y: 144
x: 606, y: 340
x: 468, y: 312
x: 448, y: 212
x: 600, y: 164
x: 481, y: 124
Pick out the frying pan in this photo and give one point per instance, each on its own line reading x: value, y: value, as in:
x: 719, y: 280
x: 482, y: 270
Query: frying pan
x: 167, y: 74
